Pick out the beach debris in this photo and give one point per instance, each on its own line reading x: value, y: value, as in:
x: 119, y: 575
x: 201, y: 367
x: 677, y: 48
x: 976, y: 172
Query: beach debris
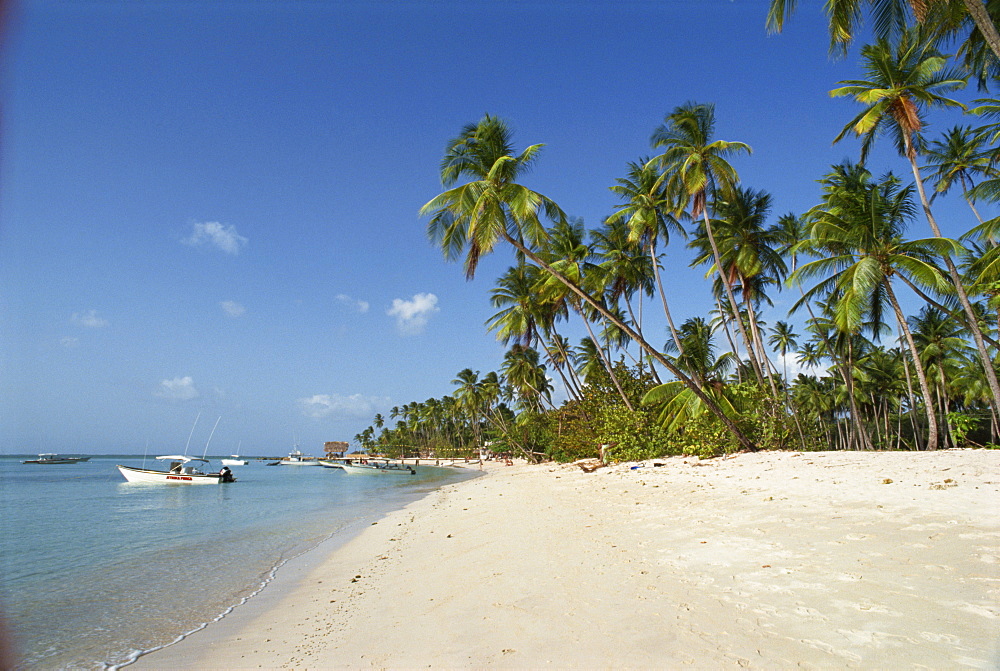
x: 588, y: 465
x: 887, y: 481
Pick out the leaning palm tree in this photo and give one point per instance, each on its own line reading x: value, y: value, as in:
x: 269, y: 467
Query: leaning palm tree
x: 903, y: 80
x: 696, y: 171
x: 889, y: 17
x: 861, y: 231
x: 471, y: 218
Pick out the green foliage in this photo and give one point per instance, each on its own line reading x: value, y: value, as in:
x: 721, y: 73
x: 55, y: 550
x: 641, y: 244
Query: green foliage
x: 630, y: 436
x: 961, y: 424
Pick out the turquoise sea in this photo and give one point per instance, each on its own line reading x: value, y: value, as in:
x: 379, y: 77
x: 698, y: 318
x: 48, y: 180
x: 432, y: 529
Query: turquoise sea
x: 95, y: 570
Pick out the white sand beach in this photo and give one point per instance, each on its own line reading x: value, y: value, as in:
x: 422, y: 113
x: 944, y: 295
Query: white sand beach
x: 767, y: 560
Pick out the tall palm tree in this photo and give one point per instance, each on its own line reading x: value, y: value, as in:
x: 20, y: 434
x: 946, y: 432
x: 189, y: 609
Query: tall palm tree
x: 783, y: 339
x: 903, y: 79
x: 750, y: 257
x: 648, y: 213
x: 473, y: 217
x: 862, y: 233
x: 696, y: 171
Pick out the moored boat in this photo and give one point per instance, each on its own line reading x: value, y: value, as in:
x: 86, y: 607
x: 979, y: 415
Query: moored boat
x: 234, y: 460
x: 296, y: 458
x: 180, y: 472
x: 50, y: 458
x: 377, y: 467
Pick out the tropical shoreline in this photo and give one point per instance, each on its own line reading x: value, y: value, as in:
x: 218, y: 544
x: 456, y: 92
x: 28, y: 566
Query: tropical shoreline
x: 765, y: 560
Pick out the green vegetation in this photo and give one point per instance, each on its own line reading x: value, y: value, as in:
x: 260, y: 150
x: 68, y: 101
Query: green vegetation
x: 879, y: 379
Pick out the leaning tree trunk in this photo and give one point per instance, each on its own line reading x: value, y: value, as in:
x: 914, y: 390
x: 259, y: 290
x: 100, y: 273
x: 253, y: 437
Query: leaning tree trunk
x: 932, y: 426
x: 652, y: 351
x: 732, y: 297
x: 981, y: 17
x: 963, y: 298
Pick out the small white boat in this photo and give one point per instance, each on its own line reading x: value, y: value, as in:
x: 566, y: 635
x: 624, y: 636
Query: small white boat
x: 378, y: 467
x: 50, y: 458
x: 234, y: 460
x: 330, y: 463
x: 180, y: 472
x: 296, y: 458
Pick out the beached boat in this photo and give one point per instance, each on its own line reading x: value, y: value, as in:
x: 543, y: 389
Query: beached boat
x: 49, y: 458
x: 180, y: 472
x: 296, y: 458
x: 378, y: 467
x: 234, y: 460
x: 330, y: 463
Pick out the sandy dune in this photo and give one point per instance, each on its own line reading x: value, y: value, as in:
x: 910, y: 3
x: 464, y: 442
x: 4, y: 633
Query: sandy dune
x: 772, y: 561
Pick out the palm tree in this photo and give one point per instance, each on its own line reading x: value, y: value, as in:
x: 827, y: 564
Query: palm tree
x: 696, y: 170
x: 959, y: 156
x: 783, y: 339
x: 526, y: 375
x: 749, y: 256
x: 903, y: 79
x: 473, y: 217
x: 891, y: 17
x: 861, y: 231
x: 648, y: 213
x: 674, y: 404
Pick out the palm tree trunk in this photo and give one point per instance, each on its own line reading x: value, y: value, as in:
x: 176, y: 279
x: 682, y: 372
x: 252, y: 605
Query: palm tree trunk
x: 658, y: 356
x: 981, y: 17
x: 663, y: 296
x: 732, y: 297
x: 759, y: 344
x: 932, y: 427
x: 963, y: 298
x: 913, y: 403
x: 607, y: 365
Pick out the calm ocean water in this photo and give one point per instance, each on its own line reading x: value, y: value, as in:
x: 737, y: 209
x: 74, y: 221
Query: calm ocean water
x: 95, y: 569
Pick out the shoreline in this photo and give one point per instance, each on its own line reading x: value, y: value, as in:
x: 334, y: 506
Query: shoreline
x: 764, y: 560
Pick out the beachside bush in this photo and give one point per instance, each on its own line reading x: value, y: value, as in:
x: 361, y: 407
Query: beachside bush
x: 631, y: 435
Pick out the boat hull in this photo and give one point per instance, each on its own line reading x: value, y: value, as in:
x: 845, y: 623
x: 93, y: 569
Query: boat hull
x: 56, y: 460
x: 235, y: 462
x: 164, y: 477
x: 374, y: 470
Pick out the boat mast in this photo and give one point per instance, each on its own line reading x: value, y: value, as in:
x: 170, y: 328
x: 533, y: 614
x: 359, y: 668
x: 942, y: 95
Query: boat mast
x: 192, y: 433
x: 210, y: 436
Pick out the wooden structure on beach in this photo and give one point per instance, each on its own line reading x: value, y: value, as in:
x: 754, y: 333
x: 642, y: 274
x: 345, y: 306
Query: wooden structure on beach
x: 334, y: 448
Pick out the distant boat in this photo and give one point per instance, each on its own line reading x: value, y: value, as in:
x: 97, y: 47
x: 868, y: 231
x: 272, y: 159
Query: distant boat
x: 50, y: 458
x: 296, y: 458
x: 378, y: 467
x: 235, y: 460
x: 179, y: 473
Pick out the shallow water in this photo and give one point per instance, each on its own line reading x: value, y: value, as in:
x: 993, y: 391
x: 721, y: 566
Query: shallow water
x: 95, y: 569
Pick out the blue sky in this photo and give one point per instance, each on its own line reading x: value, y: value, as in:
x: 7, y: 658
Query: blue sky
x: 212, y: 207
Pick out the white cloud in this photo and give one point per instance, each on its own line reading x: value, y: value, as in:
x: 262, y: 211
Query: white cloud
x: 335, y: 406
x: 177, y: 389
x: 89, y: 319
x: 356, y: 305
x: 232, y: 308
x: 790, y: 361
x: 213, y: 233
x: 412, y: 315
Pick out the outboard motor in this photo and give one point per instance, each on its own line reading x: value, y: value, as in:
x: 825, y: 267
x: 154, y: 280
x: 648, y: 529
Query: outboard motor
x: 226, y: 475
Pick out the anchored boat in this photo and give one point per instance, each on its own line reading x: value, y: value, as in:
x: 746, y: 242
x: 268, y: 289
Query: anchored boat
x: 180, y: 472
